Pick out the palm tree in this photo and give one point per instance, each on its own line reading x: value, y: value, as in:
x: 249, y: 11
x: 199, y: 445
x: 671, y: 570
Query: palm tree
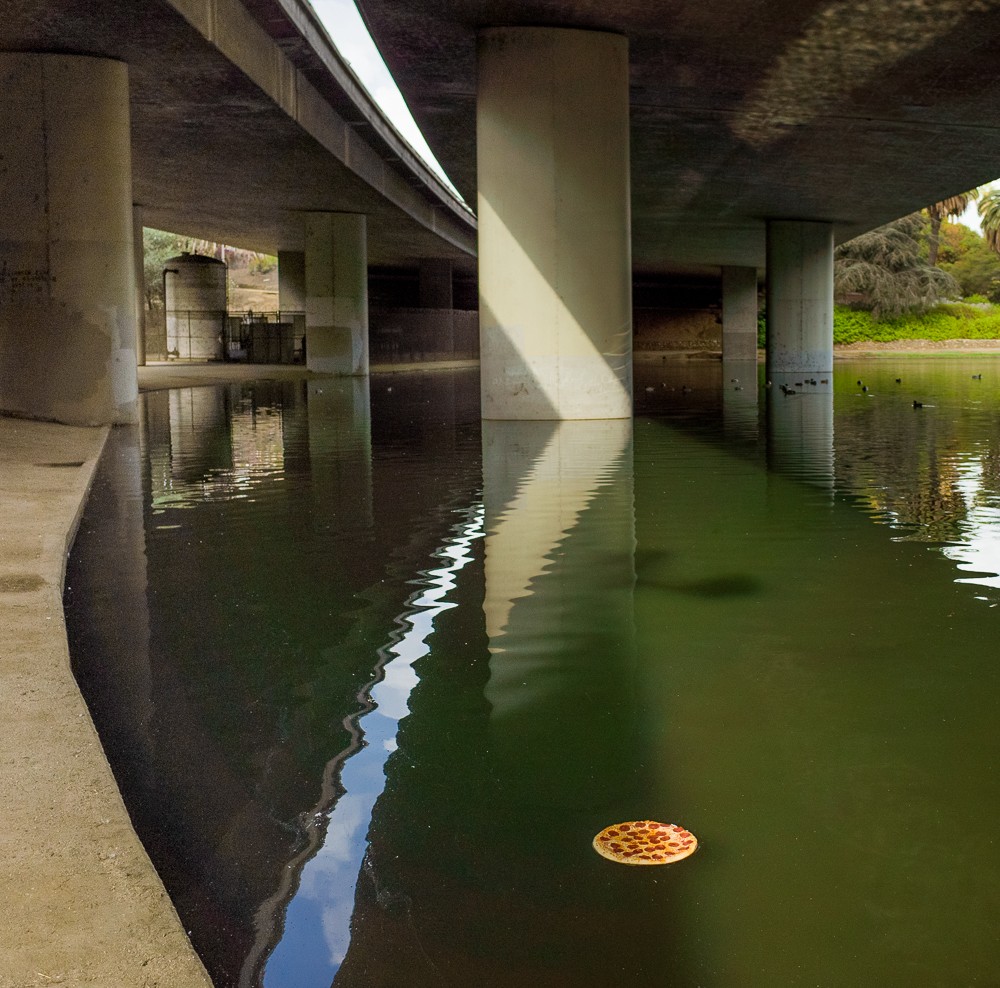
x: 884, y: 267
x: 989, y: 217
x: 952, y: 206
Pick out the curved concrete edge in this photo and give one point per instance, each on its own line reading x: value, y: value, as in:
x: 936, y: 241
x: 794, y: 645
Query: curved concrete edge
x: 80, y: 901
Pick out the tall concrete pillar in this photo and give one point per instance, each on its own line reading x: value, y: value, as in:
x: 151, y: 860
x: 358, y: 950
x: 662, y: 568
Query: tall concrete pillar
x: 739, y: 313
x: 435, y: 283
x: 555, y: 271
x: 799, y: 300
x: 139, y: 257
x: 292, y: 280
x: 67, y: 268
x: 336, y: 293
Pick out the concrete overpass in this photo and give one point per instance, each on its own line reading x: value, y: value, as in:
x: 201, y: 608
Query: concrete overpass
x: 595, y: 140
x: 849, y: 113
x: 236, y: 122
x: 816, y: 120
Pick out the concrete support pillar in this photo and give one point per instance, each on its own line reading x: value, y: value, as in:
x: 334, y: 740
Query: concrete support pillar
x: 799, y: 300
x: 292, y: 280
x: 336, y: 293
x: 739, y: 313
x: 435, y: 283
x: 555, y: 272
x: 67, y: 267
x: 139, y: 255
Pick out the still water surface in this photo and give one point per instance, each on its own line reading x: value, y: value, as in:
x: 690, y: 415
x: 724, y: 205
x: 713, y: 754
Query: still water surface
x: 371, y: 677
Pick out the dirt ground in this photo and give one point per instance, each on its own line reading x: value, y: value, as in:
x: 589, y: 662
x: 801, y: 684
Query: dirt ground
x: 917, y: 346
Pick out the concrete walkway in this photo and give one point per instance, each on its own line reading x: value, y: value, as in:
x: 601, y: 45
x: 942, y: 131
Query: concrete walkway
x: 80, y: 902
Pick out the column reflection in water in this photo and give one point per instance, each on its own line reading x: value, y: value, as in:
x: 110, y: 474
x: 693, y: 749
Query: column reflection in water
x: 800, y: 435
x: 540, y: 478
x: 560, y: 574
x: 340, y: 419
x: 739, y: 400
x: 199, y: 433
x: 113, y: 587
x: 565, y: 747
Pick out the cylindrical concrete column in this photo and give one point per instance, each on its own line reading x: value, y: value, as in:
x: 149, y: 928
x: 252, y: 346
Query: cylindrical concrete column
x: 139, y: 259
x: 555, y: 267
x: 336, y: 293
x: 291, y: 281
x: 739, y: 313
x: 799, y: 299
x: 67, y: 278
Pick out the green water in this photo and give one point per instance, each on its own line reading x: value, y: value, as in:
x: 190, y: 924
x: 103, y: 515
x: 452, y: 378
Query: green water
x: 372, y: 682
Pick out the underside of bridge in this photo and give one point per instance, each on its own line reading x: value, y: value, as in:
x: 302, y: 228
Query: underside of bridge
x: 216, y: 155
x: 759, y: 136
x: 598, y: 143
x: 227, y: 121
x: 847, y: 113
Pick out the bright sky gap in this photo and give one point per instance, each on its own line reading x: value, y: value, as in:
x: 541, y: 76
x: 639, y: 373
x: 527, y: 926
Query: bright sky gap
x: 350, y: 36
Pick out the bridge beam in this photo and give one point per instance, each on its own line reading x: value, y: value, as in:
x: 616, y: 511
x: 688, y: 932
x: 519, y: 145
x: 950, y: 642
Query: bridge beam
x: 336, y: 293
x: 799, y: 300
x: 555, y: 304
x: 68, y: 301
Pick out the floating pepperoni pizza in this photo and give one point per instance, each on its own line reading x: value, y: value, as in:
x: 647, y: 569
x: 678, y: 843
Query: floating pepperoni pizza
x: 645, y: 842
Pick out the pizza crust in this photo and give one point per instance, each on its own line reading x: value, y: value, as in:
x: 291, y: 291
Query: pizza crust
x: 645, y: 842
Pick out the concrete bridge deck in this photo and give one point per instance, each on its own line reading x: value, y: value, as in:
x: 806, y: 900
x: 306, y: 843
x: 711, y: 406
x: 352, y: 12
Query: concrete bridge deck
x: 243, y: 116
x: 848, y: 113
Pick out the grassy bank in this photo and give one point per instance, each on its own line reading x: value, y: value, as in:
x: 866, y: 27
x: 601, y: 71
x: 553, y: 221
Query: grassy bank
x: 952, y: 321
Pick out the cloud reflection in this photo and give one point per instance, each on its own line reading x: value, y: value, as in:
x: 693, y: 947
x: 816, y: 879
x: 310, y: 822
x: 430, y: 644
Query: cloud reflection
x: 317, y: 920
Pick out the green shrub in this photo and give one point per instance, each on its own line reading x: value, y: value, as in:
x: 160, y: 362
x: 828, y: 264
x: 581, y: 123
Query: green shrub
x: 950, y: 321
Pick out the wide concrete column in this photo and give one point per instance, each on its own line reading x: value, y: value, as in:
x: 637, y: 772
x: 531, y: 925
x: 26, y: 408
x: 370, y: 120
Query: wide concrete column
x: 292, y: 280
x: 555, y: 270
x: 739, y: 313
x: 799, y: 300
x: 67, y: 268
x: 336, y: 293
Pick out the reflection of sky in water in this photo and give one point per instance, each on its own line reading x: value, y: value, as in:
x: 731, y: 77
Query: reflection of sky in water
x: 974, y: 536
x: 317, y: 926
x: 979, y: 550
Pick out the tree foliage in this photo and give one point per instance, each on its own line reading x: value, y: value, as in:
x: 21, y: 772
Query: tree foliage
x: 939, y: 211
x: 884, y: 272
x: 967, y: 257
x: 158, y: 247
x: 989, y: 215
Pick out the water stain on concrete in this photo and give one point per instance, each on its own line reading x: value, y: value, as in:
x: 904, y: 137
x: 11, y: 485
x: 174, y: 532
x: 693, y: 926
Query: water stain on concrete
x: 16, y: 583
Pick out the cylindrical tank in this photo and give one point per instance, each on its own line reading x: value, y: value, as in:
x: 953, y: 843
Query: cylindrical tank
x: 194, y: 289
